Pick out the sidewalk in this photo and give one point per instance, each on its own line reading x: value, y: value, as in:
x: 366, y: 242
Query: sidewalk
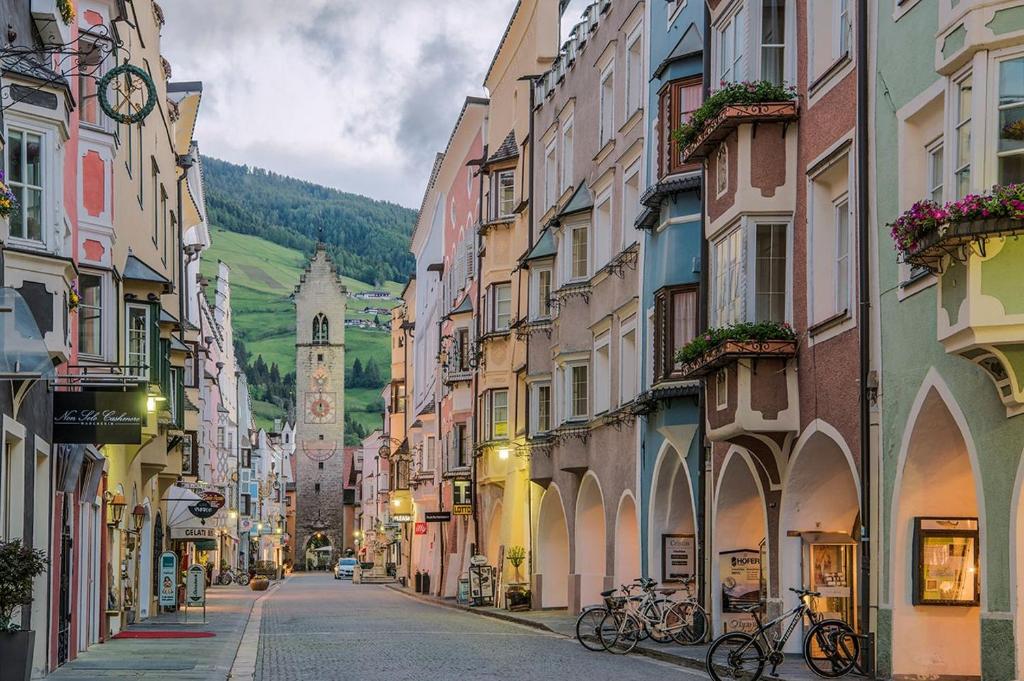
x: 563, y: 623
x: 180, y: 659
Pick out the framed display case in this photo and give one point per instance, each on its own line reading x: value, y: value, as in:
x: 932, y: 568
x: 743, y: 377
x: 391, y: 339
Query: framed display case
x: 830, y: 568
x: 946, y: 562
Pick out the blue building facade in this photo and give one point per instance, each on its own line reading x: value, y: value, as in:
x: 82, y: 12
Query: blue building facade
x: 670, y: 471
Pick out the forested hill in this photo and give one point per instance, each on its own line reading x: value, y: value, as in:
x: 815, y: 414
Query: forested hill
x: 368, y: 239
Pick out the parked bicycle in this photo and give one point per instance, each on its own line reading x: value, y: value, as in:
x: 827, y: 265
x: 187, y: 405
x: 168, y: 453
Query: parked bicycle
x: 830, y: 647
x: 651, y: 613
x: 228, y: 576
x: 588, y: 624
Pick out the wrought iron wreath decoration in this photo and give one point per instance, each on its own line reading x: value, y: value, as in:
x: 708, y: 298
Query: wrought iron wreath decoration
x: 128, y: 82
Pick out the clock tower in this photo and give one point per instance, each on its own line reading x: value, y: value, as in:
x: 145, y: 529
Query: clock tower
x: 319, y: 408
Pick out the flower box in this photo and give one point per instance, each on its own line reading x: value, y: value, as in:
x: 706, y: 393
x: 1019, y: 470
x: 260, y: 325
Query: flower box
x: 950, y: 236
x: 732, y: 117
x: 731, y: 350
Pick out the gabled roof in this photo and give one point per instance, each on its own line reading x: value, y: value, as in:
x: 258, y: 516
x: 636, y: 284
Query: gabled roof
x: 544, y: 248
x: 690, y: 44
x: 508, y: 149
x: 580, y: 201
x: 137, y: 270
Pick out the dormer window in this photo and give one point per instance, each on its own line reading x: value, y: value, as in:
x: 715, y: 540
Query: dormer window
x: 321, y: 331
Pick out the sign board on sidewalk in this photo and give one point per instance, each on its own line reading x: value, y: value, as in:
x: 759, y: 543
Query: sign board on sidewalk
x: 481, y: 583
x: 478, y: 559
x: 437, y: 516
x: 195, y: 587
x: 421, y: 528
x: 168, y: 579
x: 678, y: 552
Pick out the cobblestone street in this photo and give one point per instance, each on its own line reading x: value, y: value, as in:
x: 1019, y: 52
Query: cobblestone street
x: 314, y: 627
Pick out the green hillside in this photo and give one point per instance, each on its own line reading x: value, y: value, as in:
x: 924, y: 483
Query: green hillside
x: 368, y: 239
x: 263, y: 276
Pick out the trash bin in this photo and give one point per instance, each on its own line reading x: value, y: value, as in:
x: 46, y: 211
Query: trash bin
x: 426, y: 583
x: 419, y: 582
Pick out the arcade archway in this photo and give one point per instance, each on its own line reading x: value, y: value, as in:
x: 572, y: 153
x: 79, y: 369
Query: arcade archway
x: 553, y: 551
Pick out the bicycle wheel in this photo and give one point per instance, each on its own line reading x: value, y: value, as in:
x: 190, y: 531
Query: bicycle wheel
x: 620, y: 632
x: 686, y: 623
x: 588, y: 628
x: 652, y: 619
x: 735, y: 656
x: 225, y: 578
x: 831, y: 648
x: 242, y: 578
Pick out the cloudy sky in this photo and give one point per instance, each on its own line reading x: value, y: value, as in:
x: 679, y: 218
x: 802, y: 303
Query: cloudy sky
x: 352, y: 94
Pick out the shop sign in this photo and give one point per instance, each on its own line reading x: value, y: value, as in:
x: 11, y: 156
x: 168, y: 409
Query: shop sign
x: 437, y: 516
x: 244, y: 525
x: 678, y: 552
x: 190, y: 533
x: 99, y: 416
x: 462, y: 509
x: 195, y: 586
x: 421, y: 528
x: 462, y: 493
x: 401, y: 517
x: 168, y: 579
x: 740, y: 572
x: 481, y: 583
x: 478, y: 559
x: 215, y: 499
x: 202, y: 509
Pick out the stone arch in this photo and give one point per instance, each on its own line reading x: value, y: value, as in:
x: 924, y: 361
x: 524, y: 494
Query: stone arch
x: 627, y: 540
x: 820, y: 494
x: 552, y: 550
x: 590, y: 559
x: 672, y: 510
x: 146, y: 561
x: 740, y: 524
x: 937, y: 475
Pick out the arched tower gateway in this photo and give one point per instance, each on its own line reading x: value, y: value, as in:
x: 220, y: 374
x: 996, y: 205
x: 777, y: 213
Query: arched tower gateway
x: 320, y: 408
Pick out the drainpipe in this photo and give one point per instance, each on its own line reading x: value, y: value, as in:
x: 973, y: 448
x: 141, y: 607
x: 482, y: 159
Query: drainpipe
x: 863, y: 322
x: 703, y: 520
x: 476, y: 372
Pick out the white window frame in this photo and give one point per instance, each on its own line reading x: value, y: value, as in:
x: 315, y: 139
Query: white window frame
x: 634, y: 80
x: 628, y: 392
x: 497, y: 324
x: 504, y: 208
x: 957, y: 123
x: 569, y: 256
x: 936, y: 180
x: 570, y: 392
x: 842, y: 28
x: 606, y: 99
x: 841, y: 207
x: 732, y: 25
x: 105, y: 318
x: 602, y: 375
x: 747, y: 228
x: 630, y: 206
x: 567, y: 150
x: 539, y: 308
x: 551, y: 192
x: 761, y: 45
x: 492, y: 421
x: 1014, y: 54
x: 601, y: 243
x: 143, y: 368
x: 51, y: 174
x: 535, y: 424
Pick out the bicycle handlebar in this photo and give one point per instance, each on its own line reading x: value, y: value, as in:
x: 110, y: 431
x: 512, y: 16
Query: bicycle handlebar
x: 805, y: 592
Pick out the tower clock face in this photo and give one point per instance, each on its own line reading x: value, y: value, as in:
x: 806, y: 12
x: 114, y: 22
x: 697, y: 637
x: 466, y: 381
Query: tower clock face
x: 320, y: 407
x: 318, y: 379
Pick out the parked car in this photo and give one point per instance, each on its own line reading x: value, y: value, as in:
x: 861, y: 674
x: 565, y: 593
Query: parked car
x: 345, y: 568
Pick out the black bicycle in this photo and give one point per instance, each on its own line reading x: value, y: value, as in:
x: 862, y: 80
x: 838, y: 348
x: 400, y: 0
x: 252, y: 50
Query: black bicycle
x: 831, y: 647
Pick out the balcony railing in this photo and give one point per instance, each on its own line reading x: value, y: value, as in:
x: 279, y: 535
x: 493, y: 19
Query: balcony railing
x: 733, y: 116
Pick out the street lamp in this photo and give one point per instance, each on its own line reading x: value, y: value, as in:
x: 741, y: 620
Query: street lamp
x: 138, y: 517
x: 116, y: 505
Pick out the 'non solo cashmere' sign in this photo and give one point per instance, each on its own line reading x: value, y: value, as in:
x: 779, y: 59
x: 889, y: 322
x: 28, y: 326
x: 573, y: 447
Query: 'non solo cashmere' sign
x: 99, y: 416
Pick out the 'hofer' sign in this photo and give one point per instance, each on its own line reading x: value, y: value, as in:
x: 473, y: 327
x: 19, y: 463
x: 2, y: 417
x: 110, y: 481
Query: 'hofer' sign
x: 99, y: 417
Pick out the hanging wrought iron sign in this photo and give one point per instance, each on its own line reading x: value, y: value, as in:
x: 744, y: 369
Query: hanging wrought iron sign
x: 127, y: 93
x: 202, y: 509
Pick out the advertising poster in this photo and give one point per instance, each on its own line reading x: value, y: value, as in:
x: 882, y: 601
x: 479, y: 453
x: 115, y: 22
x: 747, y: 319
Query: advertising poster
x: 679, y: 553
x: 740, y: 572
x: 195, y: 586
x: 168, y: 579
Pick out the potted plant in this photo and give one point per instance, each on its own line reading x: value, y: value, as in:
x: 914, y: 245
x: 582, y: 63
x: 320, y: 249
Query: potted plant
x: 19, y: 566
x: 259, y: 584
x: 517, y: 594
x: 516, y: 555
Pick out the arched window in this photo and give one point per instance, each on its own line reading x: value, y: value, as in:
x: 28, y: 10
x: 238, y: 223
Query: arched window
x: 320, y: 329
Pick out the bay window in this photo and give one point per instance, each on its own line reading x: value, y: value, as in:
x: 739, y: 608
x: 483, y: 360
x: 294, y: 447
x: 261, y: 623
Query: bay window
x: 677, y: 102
x: 602, y: 374
x: 577, y: 257
x: 1011, y: 117
x: 90, y: 315
x: 773, y: 41
x: 25, y: 177
x: 578, y: 391
x: 540, y: 408
x: 540, y: 293
x: 750, y: 278
x: 500, y: 307
x: 675, y: 325
x: 962, y: 137
x: 497, y: 411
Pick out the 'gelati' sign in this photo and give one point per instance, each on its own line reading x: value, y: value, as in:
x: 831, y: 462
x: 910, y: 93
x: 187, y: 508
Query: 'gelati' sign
x: 99, y: 417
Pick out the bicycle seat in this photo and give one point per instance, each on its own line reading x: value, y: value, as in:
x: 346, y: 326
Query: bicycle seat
x: 645, y: 582
x: 749, y: 607
x: 666, y: 591
x: 606, y: 594
x: 805, y: 592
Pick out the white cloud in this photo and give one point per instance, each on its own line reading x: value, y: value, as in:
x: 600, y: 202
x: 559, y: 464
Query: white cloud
x: 353, y: 94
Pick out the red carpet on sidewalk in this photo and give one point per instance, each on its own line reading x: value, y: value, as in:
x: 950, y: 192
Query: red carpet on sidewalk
x: 165, y: 634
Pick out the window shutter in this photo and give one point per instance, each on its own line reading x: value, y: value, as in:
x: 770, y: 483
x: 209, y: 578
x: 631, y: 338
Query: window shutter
x: 470, y: 258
